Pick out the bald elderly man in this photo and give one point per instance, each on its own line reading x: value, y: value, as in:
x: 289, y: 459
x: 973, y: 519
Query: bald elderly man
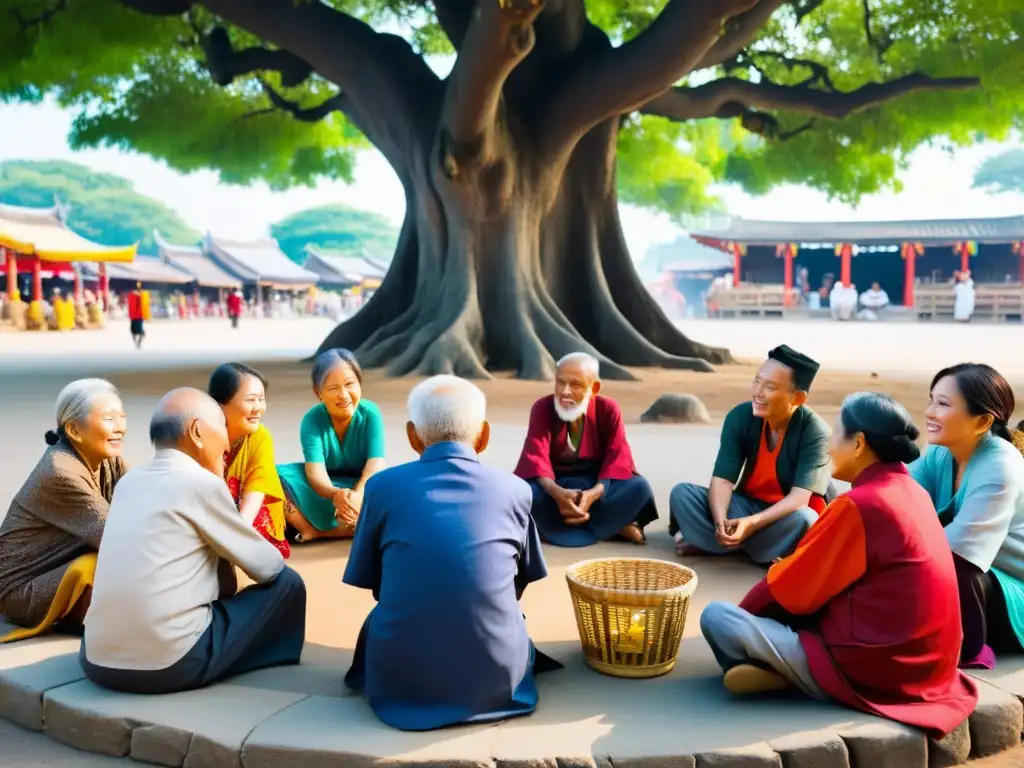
x: 447, y: 546
x: 166, y: 614
x: 579, y: 465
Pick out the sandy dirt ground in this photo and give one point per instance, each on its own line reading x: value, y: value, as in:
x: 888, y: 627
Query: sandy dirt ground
x: 898, y: 359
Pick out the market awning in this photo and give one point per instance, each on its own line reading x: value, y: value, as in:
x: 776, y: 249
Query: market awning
x: 261, y: 262
x: 42, y: 232
x: 149, y: 270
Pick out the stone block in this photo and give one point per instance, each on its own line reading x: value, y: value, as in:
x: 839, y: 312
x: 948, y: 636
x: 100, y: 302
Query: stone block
x: 677, y: 409
x: 996, y: 722
x: 204, y: 752
x: 754, y: 756
x: 160, y: 745
x: 952, y: 750
x: 85, y: 729
x: 46, y: 665
x: 884, y: 744
x: 669, y: 761
x: 812, y: 749
x: 324, y: 732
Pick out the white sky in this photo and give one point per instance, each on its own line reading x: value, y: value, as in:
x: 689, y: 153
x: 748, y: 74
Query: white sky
x: 937, y: 185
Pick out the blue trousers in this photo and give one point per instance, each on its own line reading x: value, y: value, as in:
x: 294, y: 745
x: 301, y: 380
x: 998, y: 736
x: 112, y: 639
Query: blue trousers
x: 691, y: 516
x: 624, y: 502
x: 262, y: 626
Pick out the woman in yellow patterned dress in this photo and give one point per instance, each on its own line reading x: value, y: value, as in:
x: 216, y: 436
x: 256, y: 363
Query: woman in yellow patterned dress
x: 250, y: 471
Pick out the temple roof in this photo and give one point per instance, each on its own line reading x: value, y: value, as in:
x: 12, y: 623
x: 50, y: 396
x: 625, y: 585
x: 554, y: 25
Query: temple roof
x: 342, y: 266
x: 191, y: 259
x: 42, y: 232
x: 686, y: 255
x: 145, y: 269
x: 929, y: 232
x: 259, y: 261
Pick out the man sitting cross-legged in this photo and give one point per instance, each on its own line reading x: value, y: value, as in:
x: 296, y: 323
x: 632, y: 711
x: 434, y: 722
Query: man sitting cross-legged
x: 447, y: 546
x: 579, y: 464
x: 165, y: 615
x: 771, y: 474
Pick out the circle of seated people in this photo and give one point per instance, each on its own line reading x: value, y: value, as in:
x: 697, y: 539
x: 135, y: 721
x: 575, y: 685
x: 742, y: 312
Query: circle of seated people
x: 876, y: 599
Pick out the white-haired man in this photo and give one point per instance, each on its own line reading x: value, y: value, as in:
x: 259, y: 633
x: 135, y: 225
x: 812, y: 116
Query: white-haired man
x: 165, y: 615
x: 447, y: 546
x: 579, y: 465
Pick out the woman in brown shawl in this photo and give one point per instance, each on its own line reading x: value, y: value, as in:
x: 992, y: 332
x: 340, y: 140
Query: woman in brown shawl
x: 52, y: 530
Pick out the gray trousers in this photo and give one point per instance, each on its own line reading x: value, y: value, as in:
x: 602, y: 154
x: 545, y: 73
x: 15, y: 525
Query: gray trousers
x: 688, y: 505
x: 264, y: 625
x: 737, y: 637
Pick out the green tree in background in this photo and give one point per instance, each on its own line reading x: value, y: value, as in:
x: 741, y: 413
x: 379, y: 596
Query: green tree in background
x: 101, y: 206
x: 1002, y: 173
x: 337, y: 227
x: 511, y: 253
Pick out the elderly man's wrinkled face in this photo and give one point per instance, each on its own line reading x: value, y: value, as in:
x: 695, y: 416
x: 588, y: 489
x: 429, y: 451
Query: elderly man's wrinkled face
x: 100, y: 434
x: 773, y: 393
x: 573, y: 389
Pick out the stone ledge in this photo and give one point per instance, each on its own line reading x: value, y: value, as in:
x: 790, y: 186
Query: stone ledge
x: 586, y: 720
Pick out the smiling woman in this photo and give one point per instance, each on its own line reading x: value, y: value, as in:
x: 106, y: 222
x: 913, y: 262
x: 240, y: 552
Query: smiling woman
x: 342, y: 447
x: 249, y: 467
x: 49, y: 539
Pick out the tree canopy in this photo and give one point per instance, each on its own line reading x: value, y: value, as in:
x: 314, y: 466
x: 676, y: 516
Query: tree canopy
x: 101, y: 206
x: 337, y: 227
x: 1002, y: 173
x: 196, y: 88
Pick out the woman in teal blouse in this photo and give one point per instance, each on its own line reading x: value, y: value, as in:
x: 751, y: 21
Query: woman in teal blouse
x: 974, y: 474
x: 342, y: 447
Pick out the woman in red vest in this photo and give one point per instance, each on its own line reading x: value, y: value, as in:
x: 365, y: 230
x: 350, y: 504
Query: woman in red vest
x: 866, y: 611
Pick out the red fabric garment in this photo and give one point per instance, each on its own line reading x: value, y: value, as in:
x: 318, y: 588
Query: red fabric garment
x: 887, y: 638
x: 135, y: 306
x: 234, y: 305
x: 604, y: 440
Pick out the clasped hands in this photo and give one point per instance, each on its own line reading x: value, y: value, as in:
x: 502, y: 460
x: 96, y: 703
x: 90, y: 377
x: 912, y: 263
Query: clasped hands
x: 574, y: 506
x: 732, y: 533
x: 347, y: 504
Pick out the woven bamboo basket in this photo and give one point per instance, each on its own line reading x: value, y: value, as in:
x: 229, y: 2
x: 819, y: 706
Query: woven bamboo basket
x: 630, y: 612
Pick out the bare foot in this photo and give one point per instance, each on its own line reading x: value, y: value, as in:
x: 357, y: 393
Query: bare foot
x: 746, y: 680
x: 633, y: 533
x: 684, y: 549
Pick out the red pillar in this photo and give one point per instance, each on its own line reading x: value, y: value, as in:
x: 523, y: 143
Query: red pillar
x: 12, y: 273
x: 965, y: 251
x: 37, y: 279
x: 1018, y: 249
x: 104, y: 287
x: 845, y: 254
x: 910, y: 253
x: 788, y: 252
x: 738, y: 251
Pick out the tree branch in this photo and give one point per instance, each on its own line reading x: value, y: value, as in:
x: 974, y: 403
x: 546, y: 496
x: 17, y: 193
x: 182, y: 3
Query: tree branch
x: 730, y: 97
x: 25, y: 23
x: 739, y: 32
x: 879, y: 46
x: 819, y: 71
x: 225, y: 64
x: 159, y: 7
x: 806, y: 8
x: 336, y: 103
x: 389, y: 86
x: 635, y: 72
x: 500, y: 35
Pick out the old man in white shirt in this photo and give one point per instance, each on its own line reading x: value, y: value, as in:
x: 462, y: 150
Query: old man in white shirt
x: 165, y: 615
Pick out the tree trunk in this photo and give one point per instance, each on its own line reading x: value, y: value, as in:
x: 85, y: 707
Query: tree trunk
x: 511, y: 268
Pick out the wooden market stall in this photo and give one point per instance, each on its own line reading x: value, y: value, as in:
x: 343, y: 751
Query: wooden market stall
x: 37, y: 241
x: 261, y: 266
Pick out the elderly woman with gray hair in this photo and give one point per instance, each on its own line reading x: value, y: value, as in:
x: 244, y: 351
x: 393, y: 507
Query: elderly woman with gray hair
x: 49, y: 539
x: 342, y: 440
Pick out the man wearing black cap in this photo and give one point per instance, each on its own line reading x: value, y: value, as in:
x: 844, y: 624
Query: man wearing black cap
x: 771, y: 474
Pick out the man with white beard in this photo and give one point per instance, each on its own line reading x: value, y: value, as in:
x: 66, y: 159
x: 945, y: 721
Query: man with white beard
x: 579, y: 465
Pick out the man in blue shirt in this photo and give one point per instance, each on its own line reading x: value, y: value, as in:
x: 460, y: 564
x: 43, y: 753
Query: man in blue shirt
x: 447, y: 545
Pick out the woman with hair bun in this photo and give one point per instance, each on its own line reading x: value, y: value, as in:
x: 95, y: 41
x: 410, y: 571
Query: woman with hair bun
x: 865, y: 612
x: 974, y: 473
x: 49, y: 539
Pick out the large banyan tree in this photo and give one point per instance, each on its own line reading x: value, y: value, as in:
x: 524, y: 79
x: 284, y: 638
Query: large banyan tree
x: 511, y: 253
